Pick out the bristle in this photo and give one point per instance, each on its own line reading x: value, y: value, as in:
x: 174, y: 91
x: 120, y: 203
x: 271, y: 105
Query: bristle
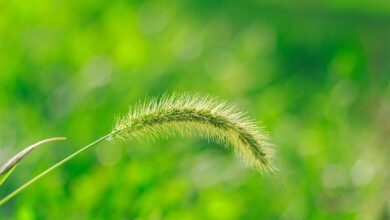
x: 200, y: 116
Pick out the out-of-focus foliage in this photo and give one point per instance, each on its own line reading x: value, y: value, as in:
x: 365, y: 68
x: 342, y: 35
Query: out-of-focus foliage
x: 316, y: 73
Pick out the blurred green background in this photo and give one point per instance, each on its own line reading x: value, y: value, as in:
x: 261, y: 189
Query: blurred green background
x: 317, y: 74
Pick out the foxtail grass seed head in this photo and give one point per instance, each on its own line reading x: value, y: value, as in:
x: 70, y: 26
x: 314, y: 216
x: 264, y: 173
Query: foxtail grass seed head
x: 198, y: 116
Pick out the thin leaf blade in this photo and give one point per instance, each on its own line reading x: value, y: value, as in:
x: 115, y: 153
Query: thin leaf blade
x: 10, y: 165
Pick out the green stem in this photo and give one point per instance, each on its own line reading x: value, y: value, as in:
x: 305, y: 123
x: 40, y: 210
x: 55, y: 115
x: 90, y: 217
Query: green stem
x: 55, y: 166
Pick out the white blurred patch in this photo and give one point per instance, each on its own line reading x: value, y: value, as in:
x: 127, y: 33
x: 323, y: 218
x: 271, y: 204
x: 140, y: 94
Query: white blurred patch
x: 362, y: 172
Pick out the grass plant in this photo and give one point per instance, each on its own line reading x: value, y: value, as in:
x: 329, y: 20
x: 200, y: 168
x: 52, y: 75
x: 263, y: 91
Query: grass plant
x: 188, y: 115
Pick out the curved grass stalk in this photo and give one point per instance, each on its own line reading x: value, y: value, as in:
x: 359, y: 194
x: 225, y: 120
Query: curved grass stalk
x: 186, y: 115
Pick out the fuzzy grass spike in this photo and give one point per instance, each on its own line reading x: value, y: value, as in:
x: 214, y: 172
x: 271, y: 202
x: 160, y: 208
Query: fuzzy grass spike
x: 198, y: 116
